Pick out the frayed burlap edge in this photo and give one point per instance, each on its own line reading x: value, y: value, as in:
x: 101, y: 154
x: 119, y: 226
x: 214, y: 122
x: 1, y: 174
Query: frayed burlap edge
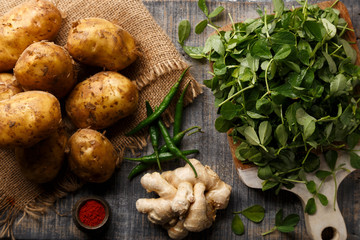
x: 35, y: 209
x: 158, y: 70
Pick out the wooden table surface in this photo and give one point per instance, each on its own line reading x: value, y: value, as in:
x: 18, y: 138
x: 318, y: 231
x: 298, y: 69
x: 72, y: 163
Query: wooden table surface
x: 127, y: 223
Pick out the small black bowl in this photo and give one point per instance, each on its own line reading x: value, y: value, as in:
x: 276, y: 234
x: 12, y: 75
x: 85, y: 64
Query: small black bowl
x: 84, y: 227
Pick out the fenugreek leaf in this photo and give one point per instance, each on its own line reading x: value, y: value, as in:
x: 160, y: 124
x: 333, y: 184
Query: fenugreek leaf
x: 323, y: 199
x: 283, y: 52
x: 216, y: 12
x: 278, y: 7
x: 237, y: 225
x: 349, y: 51
x: 355, y: 160
x: 331, y: 158
x: 310, y: 207
x: 265, y: 132
x: 251, y: 136
x: 254, y: 213
x: 203, y: 7
x: 281, y: 134
x: 311, y: 186
x: 183, y: 31
x: 352, y: 140
x: 321, y: 174
x: 194, y: 52
x: 199, y: 28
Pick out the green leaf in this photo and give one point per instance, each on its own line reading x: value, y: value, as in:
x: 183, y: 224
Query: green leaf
x: 237, y: 226
x: 283, y: 52
x: 284, y: 37
x: 264, y: 106
x: 255, y: 115
x: 253, y: 26
x: 265, y: 173
x: 183, y: 31
x: 331, y: 62
x: 281, y: 134
x: 338, y: 84
x: 311, y: 187
x: 265, y: 132
x: 286, y: 229
x: 304, y: 45
x: 293, y: 66
x: 315, y: 30
x: 279, y: 217
x: 254, y: 213
x: 222, y: 125
x: 307, y: 121
x: 203, y: 7
x: 349, y: 51
x: 278, y: 7
x: 219, y: 67
x: 216, y: 12
x: 329, y: 27
x: 291, y: 220
x: 354, y: 160
x: 199, y: 28
x: 323, y: 199
x: 214, y: 43
x: 194, y: 52
x: 260, y: 49
x: 304, y: 57
x: 312, y: 163
x: 269, y: 184
x: 310, y: 207
x: 328, y: 129
x: 352, y: 140
x: 229, y: 110
x: 331, y: 158
x: 321, y: 174
x: 251, y: 136
x: 290, y: 115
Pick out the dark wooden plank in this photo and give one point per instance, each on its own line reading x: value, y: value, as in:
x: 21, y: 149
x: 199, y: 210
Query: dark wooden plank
x: 127, y: 223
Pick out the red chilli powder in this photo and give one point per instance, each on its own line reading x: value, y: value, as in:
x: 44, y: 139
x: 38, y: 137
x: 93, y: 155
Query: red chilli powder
x: 92, y: 213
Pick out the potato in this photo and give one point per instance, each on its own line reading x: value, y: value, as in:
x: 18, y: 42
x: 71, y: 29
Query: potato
x: 27, y: 118
x: 42, y: 162
x: 92, y: 157
x: 9, y: 86
x: 45, y: 66
x: 98, y: 42
x: 101, y: 100
x: 29, y: 22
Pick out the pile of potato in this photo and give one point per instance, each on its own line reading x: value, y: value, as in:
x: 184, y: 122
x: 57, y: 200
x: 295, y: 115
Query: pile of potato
x: 38, y: 78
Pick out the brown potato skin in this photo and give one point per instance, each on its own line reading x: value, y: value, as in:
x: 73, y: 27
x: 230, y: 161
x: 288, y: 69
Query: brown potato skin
x: 9, y: 86
x: 27, y: 118
x: 42, y: 162
x: 98, y: 42
x: 92, y: 157
x: 102, y: 100
x: 26, y: 23
x: 46, y: 66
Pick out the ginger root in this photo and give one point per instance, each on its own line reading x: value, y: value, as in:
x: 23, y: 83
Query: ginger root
x: 186, y: 204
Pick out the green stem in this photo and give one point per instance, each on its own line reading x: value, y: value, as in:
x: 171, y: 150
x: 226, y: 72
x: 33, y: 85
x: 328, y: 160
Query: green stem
x: 334, y: 3
x: 266, y: 74
x: 265, y: 23
x: 307, y: 154
x: 335, y: 194
x: 293, y: 180
x: 270, y: 231
x: 236, y: 94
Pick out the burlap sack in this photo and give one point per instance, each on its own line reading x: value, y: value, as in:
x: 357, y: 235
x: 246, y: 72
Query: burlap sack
x: 155, y: 71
